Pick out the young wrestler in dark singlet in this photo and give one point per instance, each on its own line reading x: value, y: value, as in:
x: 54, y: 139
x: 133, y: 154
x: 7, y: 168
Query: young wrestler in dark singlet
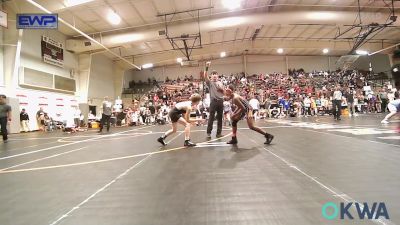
x: 243, y: 109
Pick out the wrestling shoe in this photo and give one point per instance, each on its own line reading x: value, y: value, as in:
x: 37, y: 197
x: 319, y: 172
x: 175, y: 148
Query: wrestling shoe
x: 269, y: 138
x: 162, y: 141
x: 384, y: 122
x: 233, y: 141
x: 188, y: 143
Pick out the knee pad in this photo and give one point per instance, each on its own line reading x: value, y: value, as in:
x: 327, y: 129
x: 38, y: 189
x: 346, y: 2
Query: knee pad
x: 234, y: 123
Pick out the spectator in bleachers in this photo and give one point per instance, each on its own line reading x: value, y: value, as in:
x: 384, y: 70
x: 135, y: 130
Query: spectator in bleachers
x: 300, y: 93
x: 349, y: 95
x: 255, y: 105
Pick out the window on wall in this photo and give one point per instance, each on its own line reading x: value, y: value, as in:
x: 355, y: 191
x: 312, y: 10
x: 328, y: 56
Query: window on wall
x: 63, y: 83
x: 35, y: 79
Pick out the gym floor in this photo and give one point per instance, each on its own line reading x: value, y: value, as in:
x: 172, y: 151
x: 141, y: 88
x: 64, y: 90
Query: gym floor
x: 125, y: 178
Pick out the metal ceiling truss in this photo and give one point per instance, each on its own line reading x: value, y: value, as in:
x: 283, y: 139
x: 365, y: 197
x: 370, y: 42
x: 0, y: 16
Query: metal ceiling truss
x: 367, y: 32
x: 185, y: 43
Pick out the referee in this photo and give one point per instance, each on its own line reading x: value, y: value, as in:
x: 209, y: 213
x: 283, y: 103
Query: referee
x: 216, y: 101
x: 337, y: 103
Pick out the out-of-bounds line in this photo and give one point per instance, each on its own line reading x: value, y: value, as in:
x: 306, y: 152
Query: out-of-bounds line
x: 74, y: 136
x: 317, y: 121
x: 48, y: 157
x: 67, y: 144
x: 37, y: 160
x: 98, y: 191
x: 30, y: 146
x: 228, y: 129
x: 181, y: 132
x: 103, y: 160
x: 377, y: 142
x: 88, y: 136
x: 28, y: 138
x: 334, y: 193
x: 112, y: 138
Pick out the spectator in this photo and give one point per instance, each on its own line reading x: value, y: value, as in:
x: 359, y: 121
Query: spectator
x: 5, y: 117
x: 349, y: 95
x: 384, y: 99
x: 77, y: 116
x: 24, y: 119
x: 255, y: 105
x: 40, y: 118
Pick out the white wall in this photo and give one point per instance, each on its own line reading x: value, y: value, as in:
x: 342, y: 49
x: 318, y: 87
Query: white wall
x: 101, y: 79
x: 2, y: 42
x: 31, y: 53
x: 310, y: 63
x: 10, y: 37
x: 380, y: 63
x: 1, y: 56
x: 58, y: 105
x: 255, y: 64
x: 30, y: 56
x: 223, y: 66
x: 82, y: 79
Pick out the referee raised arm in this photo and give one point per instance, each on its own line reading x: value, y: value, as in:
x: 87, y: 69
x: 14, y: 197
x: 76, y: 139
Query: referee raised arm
x: 216, y: 100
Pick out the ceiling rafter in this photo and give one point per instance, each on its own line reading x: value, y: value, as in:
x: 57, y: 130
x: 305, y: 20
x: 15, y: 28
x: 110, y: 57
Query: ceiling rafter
x: 83, y: 21
x: 137, y: 12
x: 291, y: 30
x: 244, y: 36
x: 278, y: 29
x: 331, y: 31
x: 315, y: 32
x: 113, y: 8
x: 303, y: 32
x: 154, y: 5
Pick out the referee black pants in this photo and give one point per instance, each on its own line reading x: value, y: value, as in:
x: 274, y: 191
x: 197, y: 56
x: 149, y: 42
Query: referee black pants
x: 216, y: 106
x: 105, y: 119
x: 337, y: 108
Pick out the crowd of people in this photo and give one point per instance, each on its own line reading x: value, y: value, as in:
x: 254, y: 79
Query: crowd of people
x: 275, y: 95
x: 70, y: 120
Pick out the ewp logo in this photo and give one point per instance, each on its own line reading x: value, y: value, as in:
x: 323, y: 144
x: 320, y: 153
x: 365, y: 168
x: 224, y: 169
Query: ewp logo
x: 37, y: 21
x: 363, y: 210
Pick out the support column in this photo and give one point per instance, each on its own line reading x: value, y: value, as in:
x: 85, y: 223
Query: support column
x: 118, y: 80
x: 287, y: 64
x: 244, y: 63
x: 84, y: 63
x: 12, y: 59
x: 329, y: 63
x: 1, y: 55
x: 11, y: 52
